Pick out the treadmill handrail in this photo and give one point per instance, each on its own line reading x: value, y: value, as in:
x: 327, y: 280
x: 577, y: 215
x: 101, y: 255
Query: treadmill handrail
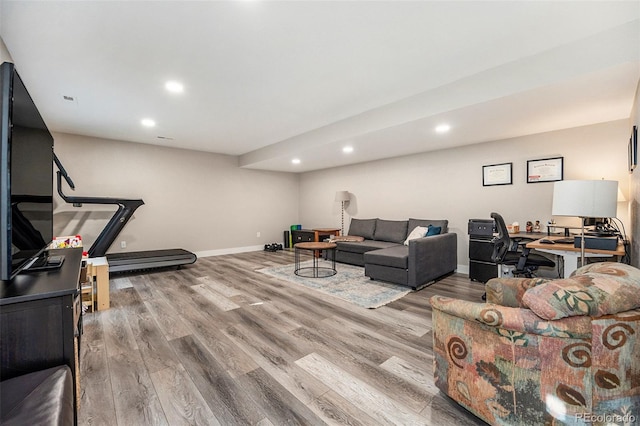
x: 94, y: 200
x: 126, y: 208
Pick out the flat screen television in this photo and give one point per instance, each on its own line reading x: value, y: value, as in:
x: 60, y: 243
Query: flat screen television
x: 26, y: 177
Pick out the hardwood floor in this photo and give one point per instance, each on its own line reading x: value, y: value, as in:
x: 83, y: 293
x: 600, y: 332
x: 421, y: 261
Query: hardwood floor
x: 216, y: 343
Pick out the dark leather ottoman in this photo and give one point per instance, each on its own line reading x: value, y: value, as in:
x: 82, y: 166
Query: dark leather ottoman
x: 44, y: 397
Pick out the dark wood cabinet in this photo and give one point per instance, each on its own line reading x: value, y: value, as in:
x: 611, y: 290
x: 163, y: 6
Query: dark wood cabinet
x: 303, y: 236
x: 40, y: 319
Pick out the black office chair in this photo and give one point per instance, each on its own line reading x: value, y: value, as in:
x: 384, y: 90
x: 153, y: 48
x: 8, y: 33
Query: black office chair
x: 511, y: 252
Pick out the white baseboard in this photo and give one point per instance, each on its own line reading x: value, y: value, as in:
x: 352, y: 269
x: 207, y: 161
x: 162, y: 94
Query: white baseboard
x: 232, y: 250
x: 463, y: 269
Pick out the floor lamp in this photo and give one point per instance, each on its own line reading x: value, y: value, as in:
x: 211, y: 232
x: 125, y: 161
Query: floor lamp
x: 343, y: 197
x: 585, y: 199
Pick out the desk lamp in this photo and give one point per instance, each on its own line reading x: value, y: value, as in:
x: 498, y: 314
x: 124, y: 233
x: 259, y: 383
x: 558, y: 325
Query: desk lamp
x: 585, y: 199
x: 343, y: 197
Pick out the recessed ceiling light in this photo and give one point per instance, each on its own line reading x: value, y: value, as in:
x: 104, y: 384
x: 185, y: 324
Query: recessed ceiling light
x: 147, y: 122
x: 443, y: 128
x: 347, y: 149
x: 295, y: 161
x: 174, y: 86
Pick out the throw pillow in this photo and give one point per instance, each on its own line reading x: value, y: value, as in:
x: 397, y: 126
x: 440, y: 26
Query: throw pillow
x: 418, y: 232
x: 610, y: 290
x: 434, y: 230
x: 351, y: 238
x: 442, y: 223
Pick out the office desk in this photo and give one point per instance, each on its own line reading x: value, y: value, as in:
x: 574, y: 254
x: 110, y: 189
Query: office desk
x: 571, y: 254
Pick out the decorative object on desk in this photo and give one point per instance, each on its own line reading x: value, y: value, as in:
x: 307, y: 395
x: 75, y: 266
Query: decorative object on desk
x: 633, y: 149
x: 343, y: 197
x: 515, y: 226
x: 497, y: 174
x: 536, y: 227
x: 348, y: 284
x: 529, y: 227
x: 66, y: 242
x: 545, y: 170
x: 585, y: 199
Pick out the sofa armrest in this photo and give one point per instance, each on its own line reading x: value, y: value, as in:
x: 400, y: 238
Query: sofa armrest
x: 513, y: 319
x: 509, y: 291
x: 431, y: 257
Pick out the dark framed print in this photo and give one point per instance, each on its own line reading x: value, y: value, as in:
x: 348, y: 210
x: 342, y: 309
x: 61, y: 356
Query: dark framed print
x: 497, y: 174
x: 545, y: 170
x: 633, y: 149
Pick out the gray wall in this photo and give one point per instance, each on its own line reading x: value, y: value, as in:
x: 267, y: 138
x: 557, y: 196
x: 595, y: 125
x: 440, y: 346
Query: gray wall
x: 193, y: 200
x: 448, y: 183
x: 4, y: 53
x: 206, y: 203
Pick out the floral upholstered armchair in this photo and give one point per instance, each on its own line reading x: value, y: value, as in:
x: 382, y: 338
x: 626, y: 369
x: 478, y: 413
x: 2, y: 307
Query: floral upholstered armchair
x: 563, y: 351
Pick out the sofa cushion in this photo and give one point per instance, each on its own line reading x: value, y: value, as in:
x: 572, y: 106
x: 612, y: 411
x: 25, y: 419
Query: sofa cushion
x: 362, y: 247
x: 607, y: 288
x: 363, y: 228
x: 418, y: 232
x: 394, y: 231
x: 395, y: 257
x: 442, y: 223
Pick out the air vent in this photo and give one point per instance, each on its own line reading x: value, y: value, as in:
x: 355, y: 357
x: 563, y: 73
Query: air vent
x: 165, y: 138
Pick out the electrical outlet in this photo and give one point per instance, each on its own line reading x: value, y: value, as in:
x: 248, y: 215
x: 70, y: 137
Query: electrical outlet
x: 258, y: 234
x: 123, y: 244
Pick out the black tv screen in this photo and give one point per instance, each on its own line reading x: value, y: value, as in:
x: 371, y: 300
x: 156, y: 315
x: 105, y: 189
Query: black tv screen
x: 26, y: 181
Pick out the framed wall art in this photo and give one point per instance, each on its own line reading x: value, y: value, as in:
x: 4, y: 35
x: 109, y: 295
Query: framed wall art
x: 497, y: 174
x: 545, y: 170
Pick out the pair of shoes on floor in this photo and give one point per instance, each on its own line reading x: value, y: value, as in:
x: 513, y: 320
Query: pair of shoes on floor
x: 272, y: 247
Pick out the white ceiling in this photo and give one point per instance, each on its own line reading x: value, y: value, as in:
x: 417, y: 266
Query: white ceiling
x: 268, y: 81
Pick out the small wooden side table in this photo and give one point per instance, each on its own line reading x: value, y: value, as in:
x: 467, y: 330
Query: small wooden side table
x: 315, y: 270
x: 98, y: 270
x: 325, y: 232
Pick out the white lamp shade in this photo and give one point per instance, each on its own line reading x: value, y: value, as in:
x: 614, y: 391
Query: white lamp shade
x: 342, y: 196
x: 585, y: 198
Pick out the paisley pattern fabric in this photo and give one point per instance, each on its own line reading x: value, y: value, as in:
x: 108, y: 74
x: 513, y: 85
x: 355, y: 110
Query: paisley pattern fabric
x: 509, y: 366
x: 509, y: 291
x: 597, y: 289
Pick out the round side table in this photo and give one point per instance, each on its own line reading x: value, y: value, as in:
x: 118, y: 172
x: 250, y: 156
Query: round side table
x: 315, y: 271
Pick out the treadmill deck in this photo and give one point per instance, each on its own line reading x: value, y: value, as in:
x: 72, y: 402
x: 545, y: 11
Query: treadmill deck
x: 137, y: 260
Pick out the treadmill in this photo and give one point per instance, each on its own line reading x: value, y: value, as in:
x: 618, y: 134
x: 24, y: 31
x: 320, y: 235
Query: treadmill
x: 122, y: 262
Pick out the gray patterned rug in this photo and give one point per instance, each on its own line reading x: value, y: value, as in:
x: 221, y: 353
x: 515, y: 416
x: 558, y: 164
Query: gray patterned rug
x: 348, y: 284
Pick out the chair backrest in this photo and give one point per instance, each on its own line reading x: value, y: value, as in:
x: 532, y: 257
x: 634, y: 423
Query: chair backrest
x: 501, y: 242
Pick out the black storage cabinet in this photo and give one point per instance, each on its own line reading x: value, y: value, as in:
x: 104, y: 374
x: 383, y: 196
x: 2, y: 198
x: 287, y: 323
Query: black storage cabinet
x: 481, y: 268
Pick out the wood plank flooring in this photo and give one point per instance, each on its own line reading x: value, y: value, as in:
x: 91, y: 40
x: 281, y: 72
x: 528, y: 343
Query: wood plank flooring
x: 217, y: 343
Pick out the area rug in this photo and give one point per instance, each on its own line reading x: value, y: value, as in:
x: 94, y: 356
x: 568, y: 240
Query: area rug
x: 348, y: 284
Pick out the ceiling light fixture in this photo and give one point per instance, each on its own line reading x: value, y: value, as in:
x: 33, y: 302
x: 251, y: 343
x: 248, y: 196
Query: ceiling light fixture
x: 174, y: 86
x: 443, y: 128
x: 295, y: 161
x: 147, y: 122
x: 347, y: 149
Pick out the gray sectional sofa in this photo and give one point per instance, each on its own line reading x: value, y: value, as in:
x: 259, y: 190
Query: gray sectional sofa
x: 385, y: 257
